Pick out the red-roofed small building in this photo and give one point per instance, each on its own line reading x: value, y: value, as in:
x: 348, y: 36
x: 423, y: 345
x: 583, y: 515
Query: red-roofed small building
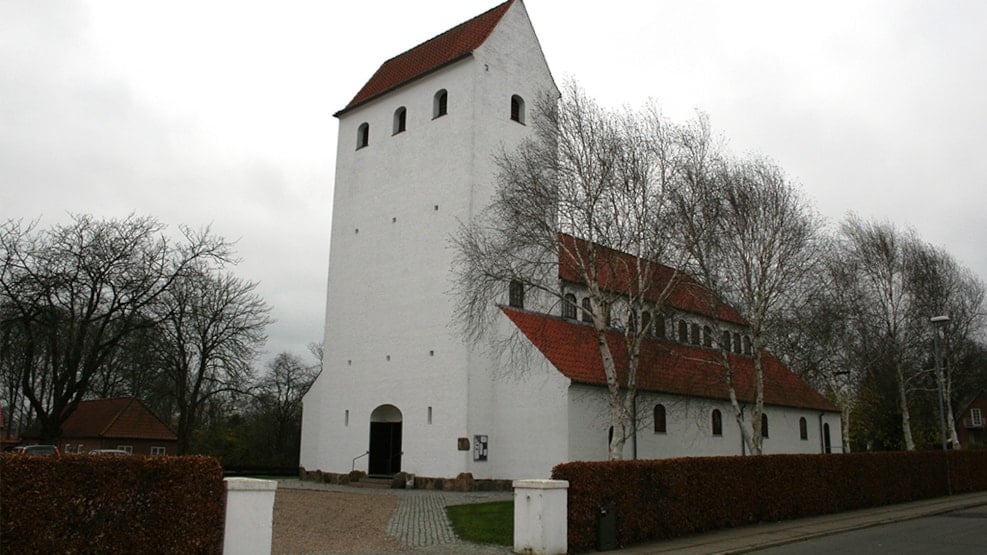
x: 402, y: 390
x: 123, y: 423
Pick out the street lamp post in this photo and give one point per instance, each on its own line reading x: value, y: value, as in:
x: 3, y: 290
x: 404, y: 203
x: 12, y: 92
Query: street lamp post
x: 939, y: 324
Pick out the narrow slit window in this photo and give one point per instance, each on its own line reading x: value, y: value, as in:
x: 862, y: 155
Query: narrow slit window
x: 660, y: 423
x: 363, y: 135
x: 764, y: 425
x: 440, y: 104
x: 400, y: 120
x: 803, y: 428
x: 517, y: 109
x: 717, y: 422
x: 516, y: 294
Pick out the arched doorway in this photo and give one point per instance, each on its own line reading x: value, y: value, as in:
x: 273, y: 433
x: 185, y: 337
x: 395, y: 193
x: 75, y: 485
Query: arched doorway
x: 385, y: 441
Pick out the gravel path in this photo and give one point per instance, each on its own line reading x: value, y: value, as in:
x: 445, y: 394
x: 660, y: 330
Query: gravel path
x: 316, y: 519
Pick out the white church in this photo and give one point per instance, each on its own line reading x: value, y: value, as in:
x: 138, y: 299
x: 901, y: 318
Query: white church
x: 401, y: 389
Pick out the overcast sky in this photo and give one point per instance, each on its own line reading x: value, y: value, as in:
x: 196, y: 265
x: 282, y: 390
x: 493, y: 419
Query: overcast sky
x: 220, y: 113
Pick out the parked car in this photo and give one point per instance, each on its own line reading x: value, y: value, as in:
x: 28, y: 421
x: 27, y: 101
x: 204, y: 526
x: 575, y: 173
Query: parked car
x: 108, y: 452
x: 36, y: 450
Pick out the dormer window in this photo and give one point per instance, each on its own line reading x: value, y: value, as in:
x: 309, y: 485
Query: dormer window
x: 440, y: 104
x: 400, y: 120
x: 362, y: 135
x: 517, y: 109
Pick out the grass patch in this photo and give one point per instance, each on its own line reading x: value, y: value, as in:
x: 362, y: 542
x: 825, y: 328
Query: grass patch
x: 484, y: 522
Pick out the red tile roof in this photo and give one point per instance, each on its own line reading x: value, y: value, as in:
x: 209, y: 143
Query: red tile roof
x: 617, y: 271
x: 450, y: 46
x: 665, y: 366
x: 125, y: 417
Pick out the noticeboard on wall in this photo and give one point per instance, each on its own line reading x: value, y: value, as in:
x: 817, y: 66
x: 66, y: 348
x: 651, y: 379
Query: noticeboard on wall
x: 480, y: 448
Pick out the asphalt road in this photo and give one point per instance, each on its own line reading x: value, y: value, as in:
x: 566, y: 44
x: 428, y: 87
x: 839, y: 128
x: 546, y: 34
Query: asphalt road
x: 956, y: 533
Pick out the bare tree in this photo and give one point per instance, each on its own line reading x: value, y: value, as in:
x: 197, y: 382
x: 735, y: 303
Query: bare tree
x: 211, y: 326
x: 585, y: 205
x: 940, y: 286
x: 881, y: 254
x: 279, y: 395
x: 76, y: 292
x: 754, y: 241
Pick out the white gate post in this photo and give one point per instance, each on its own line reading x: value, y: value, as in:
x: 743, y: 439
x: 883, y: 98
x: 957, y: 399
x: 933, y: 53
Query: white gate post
x: 249, y: 516
x: 540, y: 516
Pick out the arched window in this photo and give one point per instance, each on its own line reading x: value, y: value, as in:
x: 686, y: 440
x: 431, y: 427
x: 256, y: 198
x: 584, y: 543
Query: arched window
x: 717, y: 423
x: 683, y: 331
x: 569, y: 306
x: 516, y: 296
x: 736, y: 343
x: 363, y: 135
x: 660, y: 419
x: 587, y: 310
x: 660, y: 326
x: 440, y: 104
x: 725, y: 341
x: 632, y: 321
x: 803, y: 428
x: 400, y: 120
x: 764, y: 425
x: 707, y: 336
x: 517, y: 109
x: 696, y: 340
x: 748, y: 345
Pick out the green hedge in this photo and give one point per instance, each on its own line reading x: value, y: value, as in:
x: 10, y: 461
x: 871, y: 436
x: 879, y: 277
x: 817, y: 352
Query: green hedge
x: 103, y: 504
x: 661, y: 499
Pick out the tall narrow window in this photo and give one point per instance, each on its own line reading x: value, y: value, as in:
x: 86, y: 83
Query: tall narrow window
x: 569, y: 306
x: 587, y: 310
x: 803, y: 428
x: 725, y: 341
x: 736, y: 343
x: 827, y: 445
x: 748, y: 346
x: 440, y: 104
x: 429, y: 415
x: 516, y: 297
x: 517, y: 109
x: 400, y: 120
x: 632, y: 321
x: 717, y: 423
x: 764, y: 425
x: 646, y: 327
x: 707, y: 336
x: 363, y: 135
x: 694, y: 336
x: 683, y: 332
x: 660, y: 325
x: 660, y: 427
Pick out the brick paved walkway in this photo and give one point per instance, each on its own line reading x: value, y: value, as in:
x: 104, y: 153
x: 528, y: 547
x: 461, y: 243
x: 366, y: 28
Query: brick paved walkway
x: 419, y: 521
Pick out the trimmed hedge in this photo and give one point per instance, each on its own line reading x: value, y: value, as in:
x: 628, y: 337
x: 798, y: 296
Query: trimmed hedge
x: 100, y: 504
x: 661, y: 499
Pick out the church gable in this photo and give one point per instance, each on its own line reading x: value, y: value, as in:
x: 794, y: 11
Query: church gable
x: 429, y: 56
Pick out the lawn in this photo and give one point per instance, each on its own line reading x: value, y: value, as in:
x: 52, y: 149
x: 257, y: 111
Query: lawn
x: 484, y: 522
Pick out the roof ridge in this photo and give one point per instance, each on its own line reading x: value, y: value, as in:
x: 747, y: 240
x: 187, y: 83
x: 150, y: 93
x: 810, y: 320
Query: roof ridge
x: 450, y: 30
x: 435, y: 53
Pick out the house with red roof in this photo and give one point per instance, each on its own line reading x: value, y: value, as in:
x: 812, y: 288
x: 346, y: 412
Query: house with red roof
x: 123, y: 423
x: 401, y: 389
